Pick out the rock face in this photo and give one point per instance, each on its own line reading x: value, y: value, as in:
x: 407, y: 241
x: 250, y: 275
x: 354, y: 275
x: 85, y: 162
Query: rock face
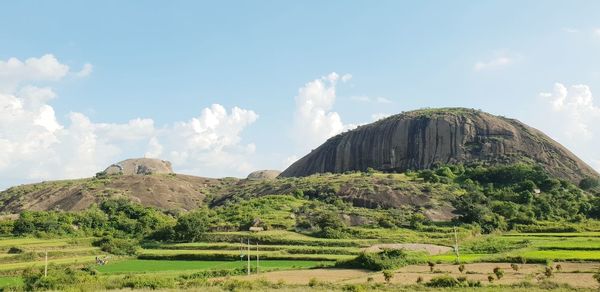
x: 264, y: 174
x: 140, y: 166
x: 423, y: 138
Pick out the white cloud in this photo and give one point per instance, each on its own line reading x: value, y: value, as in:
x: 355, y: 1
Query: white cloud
x: 346, y: 77
x: 85, y: 71
x: 576, y: 104
x: 314, y: 121
x: 208, y: 144
x: 363, y: 98
x: 572, y: 116
x: 36, y: 146
x: 495, y: 63
x: 597, y: 32
x: 46, y: 68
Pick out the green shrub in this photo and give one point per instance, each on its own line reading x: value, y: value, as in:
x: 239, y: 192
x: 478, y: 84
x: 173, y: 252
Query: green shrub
x: 148, y: 282
x: 589, y: 183
x: 384, y: 260
x: 117, y: 246
x: 57, y: 279
x: 499, y: 272
x: 444, y: 281
x: 15, y: 250
x: 6, y: 227
x: 388, y: 275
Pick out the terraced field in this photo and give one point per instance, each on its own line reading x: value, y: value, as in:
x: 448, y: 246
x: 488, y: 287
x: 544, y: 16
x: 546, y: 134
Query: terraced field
x: 283, y: 253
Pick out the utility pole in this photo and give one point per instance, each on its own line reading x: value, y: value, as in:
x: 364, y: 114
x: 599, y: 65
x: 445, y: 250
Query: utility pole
x: 456, y: 245
x: 248, y: 256
x: 46, y: 265
x: 241, y: 249
x: 257, y: 256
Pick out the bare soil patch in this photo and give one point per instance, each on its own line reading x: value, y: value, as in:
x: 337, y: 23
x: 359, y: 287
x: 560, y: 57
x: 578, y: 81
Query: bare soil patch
x: 304, y: 276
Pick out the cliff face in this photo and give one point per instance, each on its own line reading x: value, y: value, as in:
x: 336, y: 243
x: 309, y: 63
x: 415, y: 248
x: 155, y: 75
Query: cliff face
x: 420, y: 139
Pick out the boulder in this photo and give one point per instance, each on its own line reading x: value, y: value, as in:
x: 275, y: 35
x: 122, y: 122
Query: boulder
x: 264, y: 174
x: 140, y: 166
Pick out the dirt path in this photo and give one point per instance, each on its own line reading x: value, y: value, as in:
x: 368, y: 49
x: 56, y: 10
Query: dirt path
x: 431, y: 249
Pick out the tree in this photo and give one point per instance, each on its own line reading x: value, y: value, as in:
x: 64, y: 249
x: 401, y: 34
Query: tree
x: 589, y: 183
x: 597, y: 276
x: 431, y: 266
x: 498, y: 272
x: 388, y: 275
x: 193, y: 225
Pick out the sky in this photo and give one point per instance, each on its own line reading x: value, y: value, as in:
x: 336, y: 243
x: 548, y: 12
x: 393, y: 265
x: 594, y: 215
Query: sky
x: 223, y: 88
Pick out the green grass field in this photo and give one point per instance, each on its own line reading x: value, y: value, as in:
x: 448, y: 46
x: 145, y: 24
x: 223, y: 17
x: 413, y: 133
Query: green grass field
x: 286, y: 250
x: 9, y: 281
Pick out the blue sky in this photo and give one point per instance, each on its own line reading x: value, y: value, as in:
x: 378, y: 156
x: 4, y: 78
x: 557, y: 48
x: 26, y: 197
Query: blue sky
x: 163, y: 64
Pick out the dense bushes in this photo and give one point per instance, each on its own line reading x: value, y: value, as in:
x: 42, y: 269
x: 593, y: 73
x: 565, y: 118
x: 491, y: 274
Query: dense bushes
x: 120, y: 218
x: 193, y: 225
x: 117, y: 246
x: 510, y: 196
x: 385, y: 260
x: 446, y: 281
x: 40, y: 223
x: 57, y: 279
x: 491, y: 198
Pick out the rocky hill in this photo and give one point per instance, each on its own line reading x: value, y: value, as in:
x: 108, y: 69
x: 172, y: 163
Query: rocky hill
x: 414, y: 140
x: 264, y: 174
x: 423, y: 138
x: 140, y: 166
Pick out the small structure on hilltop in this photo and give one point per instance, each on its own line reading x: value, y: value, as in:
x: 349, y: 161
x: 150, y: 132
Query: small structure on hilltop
x: 256, y: 225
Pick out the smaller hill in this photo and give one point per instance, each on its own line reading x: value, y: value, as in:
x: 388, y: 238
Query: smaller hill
x: 264, y: 174
x: 140, y: 166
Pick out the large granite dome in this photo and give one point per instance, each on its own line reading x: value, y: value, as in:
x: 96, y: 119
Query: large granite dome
x: 420, y: 139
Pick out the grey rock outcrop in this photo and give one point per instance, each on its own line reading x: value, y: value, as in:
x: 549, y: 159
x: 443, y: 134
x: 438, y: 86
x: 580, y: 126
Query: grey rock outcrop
x: 140, y: 166
x: 423, y: 138
x: 264, y: 174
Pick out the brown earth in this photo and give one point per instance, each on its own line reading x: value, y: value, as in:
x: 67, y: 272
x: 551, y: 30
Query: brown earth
x: 423, y: 138
x: 578, y: 275
x: 160, y: 190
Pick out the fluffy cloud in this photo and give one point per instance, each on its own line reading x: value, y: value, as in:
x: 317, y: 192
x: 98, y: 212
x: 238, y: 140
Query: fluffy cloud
x: 572, y: 116
x: 314, y: 121
x: 576, y: 105
x: 14, y: 71
x: 85, y: 71
x: 208, y: 144
x: 36, y: 146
